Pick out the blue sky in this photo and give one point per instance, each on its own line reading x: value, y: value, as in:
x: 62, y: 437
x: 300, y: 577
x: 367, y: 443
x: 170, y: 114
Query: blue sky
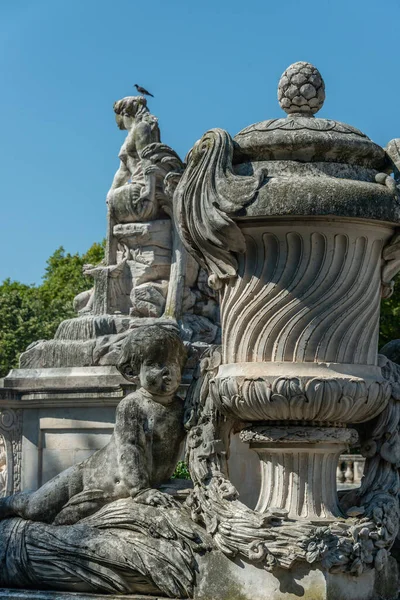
x: 208, y: 63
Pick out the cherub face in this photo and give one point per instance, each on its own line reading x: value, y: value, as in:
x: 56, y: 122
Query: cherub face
x: 160, y: 378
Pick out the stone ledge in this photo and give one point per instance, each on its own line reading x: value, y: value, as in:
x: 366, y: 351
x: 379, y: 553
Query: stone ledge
x: 38, y: 595
x: 63, y: 378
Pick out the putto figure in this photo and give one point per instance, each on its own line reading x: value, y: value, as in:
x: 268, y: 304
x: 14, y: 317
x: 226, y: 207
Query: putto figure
x: 143, y: 450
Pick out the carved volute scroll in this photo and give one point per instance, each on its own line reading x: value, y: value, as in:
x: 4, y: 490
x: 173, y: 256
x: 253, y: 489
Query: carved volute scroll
x: 206, y: 196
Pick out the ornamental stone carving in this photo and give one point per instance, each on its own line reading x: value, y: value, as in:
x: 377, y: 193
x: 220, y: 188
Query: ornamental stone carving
x: 295, y: 223
x: 311, y: 246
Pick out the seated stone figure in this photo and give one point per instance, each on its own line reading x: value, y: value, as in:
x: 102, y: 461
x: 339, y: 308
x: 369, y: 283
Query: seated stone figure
x: 143, y: 450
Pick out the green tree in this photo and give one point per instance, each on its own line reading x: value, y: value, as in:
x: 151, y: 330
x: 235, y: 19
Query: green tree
x: 29, y: 313
x: 390, y: 316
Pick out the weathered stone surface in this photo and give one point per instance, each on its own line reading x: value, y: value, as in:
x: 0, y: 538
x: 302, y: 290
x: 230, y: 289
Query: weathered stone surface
x: 239, y: 579
x: 293, y: 313
x: 102, y: 524
x: 3, y: 468
x: 150, y: 233
x: 146, y: 272
x: 63, y: 378
x: 301, y: 89
x: 222, y: 579
x: 295, y: 223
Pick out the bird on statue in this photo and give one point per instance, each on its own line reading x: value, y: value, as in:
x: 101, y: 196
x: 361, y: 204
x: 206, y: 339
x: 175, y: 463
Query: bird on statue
x: 143, y: 91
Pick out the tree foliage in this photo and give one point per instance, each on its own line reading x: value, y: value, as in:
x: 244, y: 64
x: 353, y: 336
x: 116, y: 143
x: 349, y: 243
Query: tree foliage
x: 390, y: 316
x: 29, y: 312
x: 181, y: 471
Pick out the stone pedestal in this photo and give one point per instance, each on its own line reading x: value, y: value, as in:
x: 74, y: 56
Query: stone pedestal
x: 239, y: 579
x: 56, y: 418
x: 298, y: 469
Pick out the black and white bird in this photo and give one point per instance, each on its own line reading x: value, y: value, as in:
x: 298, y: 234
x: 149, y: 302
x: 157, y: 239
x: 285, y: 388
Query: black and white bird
x: 143, y: 91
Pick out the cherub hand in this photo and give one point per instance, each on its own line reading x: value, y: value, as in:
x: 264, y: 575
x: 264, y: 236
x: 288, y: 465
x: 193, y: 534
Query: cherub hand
x: 156, y: 498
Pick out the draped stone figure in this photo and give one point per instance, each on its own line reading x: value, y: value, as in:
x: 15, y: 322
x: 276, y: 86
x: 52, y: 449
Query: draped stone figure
x: 143, y: 275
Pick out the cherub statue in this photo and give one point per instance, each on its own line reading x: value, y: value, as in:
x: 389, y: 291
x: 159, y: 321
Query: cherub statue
x: 143, y: 450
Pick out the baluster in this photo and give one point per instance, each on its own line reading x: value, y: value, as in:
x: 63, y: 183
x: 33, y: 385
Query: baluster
x: 349, y: 473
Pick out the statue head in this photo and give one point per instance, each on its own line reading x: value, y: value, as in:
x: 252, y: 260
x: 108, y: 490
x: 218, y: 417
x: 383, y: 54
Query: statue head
x: 156, y: 355
x: 128, y: 109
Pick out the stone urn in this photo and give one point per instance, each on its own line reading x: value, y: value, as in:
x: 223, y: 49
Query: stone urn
x: 291, y: 218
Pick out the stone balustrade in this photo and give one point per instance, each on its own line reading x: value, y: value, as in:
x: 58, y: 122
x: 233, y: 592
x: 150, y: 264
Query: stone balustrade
x: 350, y: 470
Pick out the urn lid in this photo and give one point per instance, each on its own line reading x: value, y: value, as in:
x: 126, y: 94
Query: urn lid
x: 302, y: 137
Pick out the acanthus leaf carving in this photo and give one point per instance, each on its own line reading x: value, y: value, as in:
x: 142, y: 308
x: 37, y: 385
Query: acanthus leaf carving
x: 207, y: 195
x: 290, y: 398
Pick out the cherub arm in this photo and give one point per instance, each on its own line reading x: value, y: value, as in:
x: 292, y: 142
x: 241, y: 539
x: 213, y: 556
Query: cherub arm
x: 132, y: 451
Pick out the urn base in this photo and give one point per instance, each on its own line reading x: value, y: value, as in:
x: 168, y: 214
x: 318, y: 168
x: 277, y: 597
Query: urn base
x: 298, y: 469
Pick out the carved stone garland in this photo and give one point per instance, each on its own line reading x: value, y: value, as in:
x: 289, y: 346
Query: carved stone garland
x: 281, y: 536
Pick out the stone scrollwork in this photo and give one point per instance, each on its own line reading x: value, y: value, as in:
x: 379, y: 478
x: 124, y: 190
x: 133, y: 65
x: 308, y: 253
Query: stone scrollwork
x: 214, y: 502
x: 207, y: 194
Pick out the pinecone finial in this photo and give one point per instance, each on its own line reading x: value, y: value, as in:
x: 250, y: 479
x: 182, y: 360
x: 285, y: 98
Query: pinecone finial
x: 301, y: 89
